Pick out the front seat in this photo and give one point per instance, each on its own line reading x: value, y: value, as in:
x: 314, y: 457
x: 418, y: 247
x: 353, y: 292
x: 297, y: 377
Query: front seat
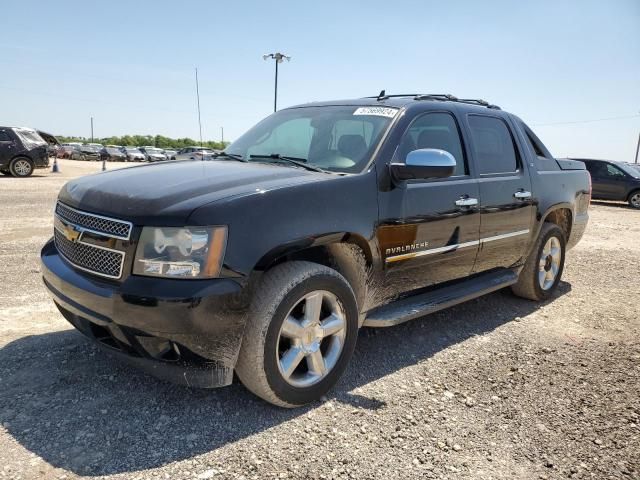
x: 352, y: 146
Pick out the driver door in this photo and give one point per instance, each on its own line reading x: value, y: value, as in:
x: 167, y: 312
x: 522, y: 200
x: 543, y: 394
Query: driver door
x: 429, y: 229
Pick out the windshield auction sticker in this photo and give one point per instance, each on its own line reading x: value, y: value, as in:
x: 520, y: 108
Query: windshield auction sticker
x: 377, y: 111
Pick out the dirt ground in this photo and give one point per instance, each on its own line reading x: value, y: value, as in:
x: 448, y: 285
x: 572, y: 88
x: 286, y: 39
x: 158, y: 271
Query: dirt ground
x: 498, y: 388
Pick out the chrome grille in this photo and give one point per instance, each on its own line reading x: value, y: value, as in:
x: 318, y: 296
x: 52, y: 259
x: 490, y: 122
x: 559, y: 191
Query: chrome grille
x: 95, y: 223
x: 91, y: 258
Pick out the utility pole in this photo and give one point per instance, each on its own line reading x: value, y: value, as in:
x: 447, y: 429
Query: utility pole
x: 198, y: 97
x: 638, y: 148
x: 91, y: 129
x: 279, y: 58
x: 222, y: 135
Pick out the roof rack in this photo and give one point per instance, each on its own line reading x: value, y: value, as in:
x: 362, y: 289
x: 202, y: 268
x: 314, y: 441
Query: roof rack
x: 443, y: 97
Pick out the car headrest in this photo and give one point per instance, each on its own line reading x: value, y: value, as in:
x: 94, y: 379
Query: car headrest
x: 352, y: 146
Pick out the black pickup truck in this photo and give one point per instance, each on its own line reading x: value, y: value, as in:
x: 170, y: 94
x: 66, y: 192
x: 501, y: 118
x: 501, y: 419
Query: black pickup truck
x: 321, y: 219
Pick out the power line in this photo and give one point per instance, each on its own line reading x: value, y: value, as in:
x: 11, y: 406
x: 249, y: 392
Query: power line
x: 585, y: 121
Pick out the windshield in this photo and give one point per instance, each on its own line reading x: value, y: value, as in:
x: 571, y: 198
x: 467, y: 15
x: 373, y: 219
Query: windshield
x: 338, y: 138
x: 29, y: 138
x: 153, y: 150
x: 132, y: 150
x: 90, y: 148
x: 630, y: 169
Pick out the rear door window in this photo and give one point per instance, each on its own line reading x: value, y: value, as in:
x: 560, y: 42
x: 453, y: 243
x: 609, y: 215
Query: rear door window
x: 4, y: 137
x: 493, y: 145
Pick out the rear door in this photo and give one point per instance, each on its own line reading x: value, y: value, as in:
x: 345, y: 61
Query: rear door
x: 609, y: 181
x: 7, y: 147
x: 428, y: 230
x: 506, y: 201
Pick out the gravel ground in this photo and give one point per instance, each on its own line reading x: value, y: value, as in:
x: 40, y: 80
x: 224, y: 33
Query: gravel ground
x: 496, y: 388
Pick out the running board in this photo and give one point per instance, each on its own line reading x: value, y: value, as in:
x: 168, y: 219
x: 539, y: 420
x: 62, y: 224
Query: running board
x: 422, y: 304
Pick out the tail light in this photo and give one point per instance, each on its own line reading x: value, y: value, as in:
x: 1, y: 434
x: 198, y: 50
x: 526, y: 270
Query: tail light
x: 590, y: 188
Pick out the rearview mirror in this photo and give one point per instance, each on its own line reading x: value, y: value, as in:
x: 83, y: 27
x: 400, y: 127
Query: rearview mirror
x: 424, y: 163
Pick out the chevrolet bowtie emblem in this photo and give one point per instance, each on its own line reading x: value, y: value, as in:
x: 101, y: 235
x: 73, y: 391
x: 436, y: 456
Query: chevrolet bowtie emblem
x: 71, y: 233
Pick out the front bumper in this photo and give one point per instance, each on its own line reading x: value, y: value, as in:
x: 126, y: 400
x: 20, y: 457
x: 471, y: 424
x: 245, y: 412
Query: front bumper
x: 184, y: 331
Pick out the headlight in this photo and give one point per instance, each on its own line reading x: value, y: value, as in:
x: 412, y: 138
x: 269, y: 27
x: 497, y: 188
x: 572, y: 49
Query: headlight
x: 189, y: 252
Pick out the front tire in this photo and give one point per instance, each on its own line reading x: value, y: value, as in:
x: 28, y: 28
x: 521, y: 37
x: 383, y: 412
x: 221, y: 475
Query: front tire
x: 634, y: 199
x: 21, y: 167
x: 300, y: 334
x: 541, y: 273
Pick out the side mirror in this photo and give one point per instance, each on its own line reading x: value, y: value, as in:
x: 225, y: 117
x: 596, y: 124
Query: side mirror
x: 424, y: 163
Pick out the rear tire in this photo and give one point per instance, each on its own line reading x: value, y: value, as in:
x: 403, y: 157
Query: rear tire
x: 288, y: 358
x: 21, y: 167
x: 542, y: 271
x: 634, y: 199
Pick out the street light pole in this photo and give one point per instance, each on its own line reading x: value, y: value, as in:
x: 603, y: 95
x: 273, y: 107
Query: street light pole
x: 91, y: 129
x: 279, y: 58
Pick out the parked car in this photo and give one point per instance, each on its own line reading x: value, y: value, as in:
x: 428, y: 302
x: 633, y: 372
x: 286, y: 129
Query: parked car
x: 133, y: 154
x: 86, y: 152
x: 112, y: 154
x: 613, y: 180
x: 153, y: 154
x: 21, y: 151
x: 65, y: 150
x: 193, y: 153
x: 319, y: 220
x: 170, y: 153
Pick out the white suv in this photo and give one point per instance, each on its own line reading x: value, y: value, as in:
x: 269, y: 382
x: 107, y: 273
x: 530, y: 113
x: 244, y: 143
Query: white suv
x: 193, y: 153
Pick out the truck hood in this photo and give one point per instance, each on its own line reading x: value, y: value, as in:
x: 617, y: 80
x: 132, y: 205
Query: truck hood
x: 166, y: 193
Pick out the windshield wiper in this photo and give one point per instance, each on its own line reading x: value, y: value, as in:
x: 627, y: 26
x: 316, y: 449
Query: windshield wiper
x: 300, y: 162
x: 233, y: 156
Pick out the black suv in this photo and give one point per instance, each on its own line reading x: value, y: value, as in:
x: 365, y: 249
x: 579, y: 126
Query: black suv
x: 325, y: 217
x: 21, y: 151
x: 614, y: 181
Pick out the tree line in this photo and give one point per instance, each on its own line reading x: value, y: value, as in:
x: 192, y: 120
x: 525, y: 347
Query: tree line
x: 158, y: 141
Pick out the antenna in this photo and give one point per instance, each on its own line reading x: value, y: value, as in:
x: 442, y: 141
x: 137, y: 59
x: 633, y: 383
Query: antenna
x: 198, y: 97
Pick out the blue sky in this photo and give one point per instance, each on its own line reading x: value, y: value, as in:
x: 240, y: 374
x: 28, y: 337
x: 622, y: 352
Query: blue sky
x: 131, y: 64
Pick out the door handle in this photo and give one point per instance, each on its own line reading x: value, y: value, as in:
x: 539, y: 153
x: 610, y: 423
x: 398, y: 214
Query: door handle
x: 522, y: 194
x: 466, y: 201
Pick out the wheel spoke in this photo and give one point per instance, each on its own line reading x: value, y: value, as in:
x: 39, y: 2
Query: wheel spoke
x: 333, y: 324
x: 312, y: 307
x: 290, y: 360
x: 549, y: 276
x: 542, y: 276
x: 555, y: 253
x: 553, y: 271
x: 315, y: 363
x: 542, y: 264
x: 292, y: 329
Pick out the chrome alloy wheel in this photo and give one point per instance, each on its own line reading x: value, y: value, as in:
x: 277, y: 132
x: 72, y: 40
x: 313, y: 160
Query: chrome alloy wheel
x: 635, y: 200
x: 22, y: 167
x: 549, y: 263
x: 314, y: 330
